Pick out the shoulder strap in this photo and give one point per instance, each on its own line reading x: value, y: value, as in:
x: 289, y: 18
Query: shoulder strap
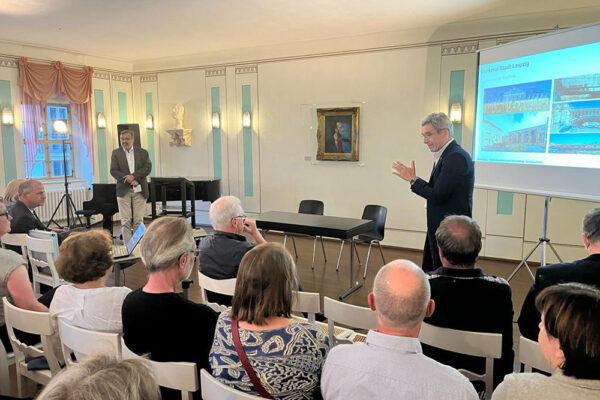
x: 235, y: 333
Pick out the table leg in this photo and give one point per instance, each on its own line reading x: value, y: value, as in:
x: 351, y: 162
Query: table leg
x: 354, y: 285
x: 117, y: 272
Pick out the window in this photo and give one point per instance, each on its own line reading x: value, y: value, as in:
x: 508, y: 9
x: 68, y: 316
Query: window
x: 49, y: 161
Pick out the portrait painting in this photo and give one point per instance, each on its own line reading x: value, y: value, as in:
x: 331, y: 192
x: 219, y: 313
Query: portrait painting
x: 337, y: 134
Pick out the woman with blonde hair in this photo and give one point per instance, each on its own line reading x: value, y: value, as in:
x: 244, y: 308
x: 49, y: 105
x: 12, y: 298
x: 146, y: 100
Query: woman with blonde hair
x: 85, y: 260
x: 258, y: 348
x: 11, y: 193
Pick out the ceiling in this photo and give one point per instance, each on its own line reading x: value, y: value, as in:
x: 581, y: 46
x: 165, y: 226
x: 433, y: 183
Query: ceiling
x: 135, y: 30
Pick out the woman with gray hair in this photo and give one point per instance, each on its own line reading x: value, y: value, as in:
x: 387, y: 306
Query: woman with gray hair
x: 157, y: 320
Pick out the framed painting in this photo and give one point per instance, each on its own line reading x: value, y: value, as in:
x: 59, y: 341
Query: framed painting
x: 337, y: 134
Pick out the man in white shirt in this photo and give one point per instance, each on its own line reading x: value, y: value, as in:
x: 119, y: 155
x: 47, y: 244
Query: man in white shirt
x: 391, y: 365
x: 130, y: 166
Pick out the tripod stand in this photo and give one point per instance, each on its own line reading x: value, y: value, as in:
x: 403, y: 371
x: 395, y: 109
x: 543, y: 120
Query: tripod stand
x: 66, y: 197
x: 543, y: 241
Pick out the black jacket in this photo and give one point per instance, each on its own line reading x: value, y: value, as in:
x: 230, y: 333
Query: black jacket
x: 585, y: 271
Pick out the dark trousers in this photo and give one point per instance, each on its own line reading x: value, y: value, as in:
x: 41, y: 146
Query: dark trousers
x: 431, y: 257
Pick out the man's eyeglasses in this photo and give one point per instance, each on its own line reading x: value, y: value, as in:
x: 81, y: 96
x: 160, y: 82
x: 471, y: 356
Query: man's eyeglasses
x: 243, y: 217
x: 4, y: 214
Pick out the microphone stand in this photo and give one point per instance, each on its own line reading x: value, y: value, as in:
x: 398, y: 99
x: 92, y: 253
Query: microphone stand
x: 66, y: 197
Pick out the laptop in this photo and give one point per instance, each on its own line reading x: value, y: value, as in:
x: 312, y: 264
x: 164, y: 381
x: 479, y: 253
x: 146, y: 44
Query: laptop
x: 122, y: 251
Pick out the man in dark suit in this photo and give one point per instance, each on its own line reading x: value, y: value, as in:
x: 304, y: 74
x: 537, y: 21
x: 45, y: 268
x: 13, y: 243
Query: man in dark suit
x: 467, y: 299
x: 450, y: 187
x: 585, y: 271
x: 130, y: 166
x: 24, y: 218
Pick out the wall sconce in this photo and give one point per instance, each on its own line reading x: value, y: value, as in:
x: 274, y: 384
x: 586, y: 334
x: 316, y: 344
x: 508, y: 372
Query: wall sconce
x: 7, y: 116
x: 246, y: 120
x: 456, y: 113
x: 149, y: 121
x: 100, y: 121
x: 216, y: 120
x: 60, y: 126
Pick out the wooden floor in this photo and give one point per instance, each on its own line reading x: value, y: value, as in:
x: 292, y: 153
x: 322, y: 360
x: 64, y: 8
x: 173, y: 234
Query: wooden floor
x: 325, y: 280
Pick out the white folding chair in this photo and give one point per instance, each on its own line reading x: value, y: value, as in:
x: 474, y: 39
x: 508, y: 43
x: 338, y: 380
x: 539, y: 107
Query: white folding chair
x: 7, y: 358
x: 41, y: 253
x: 15, y: 240
x: 221, y: 286
x: 478, y: 344
x: 182, y: 376
x: 212, y: 389
x: 306, y: 302
x: 530, y: 355
x: 349, y: 315
x: 84, y: 342
x: 37, y: 323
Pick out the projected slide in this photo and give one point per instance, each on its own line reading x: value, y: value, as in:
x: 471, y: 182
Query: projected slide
x: 540, y: 109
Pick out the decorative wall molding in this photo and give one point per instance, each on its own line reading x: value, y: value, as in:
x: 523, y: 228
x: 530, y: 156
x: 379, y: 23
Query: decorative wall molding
x: 120, y: 77
x: 459, y: 48
x: 101, y: 75
x: 149, y: 78
x: 8, y: 62
x: 214, y: 72
x: 246, y: 69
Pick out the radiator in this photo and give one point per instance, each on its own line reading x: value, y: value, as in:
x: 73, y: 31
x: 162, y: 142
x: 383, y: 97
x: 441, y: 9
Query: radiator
x: 53, y: 196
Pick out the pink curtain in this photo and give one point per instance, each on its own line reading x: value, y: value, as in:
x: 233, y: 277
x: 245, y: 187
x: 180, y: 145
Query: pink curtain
x: 42, y: 82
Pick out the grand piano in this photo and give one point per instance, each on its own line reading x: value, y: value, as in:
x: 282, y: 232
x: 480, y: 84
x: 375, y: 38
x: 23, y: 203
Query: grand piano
x: 104, y: 197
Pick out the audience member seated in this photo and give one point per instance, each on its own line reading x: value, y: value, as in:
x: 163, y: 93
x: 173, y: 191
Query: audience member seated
x: 85, y: 260
x: 101, y: 377
x: 585, y: 271
x: 31, y: 195
x: 391, y: 365
x: 467, y: 299
x: 15, y: 285
x: 569, y: 338
x: 156, y: 320
x: 286, y: 355
x: 11, y: 194
x: 220, y: 254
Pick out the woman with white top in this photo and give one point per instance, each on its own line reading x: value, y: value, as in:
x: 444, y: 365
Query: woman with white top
x: 85, y: 260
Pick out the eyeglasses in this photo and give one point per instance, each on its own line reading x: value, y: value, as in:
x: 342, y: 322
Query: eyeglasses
x: 4, y: 214
x: 243, y: 217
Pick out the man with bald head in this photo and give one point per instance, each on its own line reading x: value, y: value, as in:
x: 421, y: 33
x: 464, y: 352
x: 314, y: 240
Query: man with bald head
x: 24, y: 218
x: 391, y: 364
x: 220, y: 254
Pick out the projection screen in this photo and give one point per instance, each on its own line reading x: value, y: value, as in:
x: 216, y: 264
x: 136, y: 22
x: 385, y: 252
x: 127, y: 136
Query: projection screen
x: 537, y: 119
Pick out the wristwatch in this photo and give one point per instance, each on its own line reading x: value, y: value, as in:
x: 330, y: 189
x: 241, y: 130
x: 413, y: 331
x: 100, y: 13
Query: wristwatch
x: 413, y: 180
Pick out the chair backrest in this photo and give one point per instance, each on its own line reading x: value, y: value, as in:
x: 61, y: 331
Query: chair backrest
x: 478, y: 344
x: 84, y: 342
x: 530, y: 355
x: 221, y: 286
x: 349, y: 315
x: 212, y: 389
x: 181, y: 375
x: 16, y: 240
x: 306, y: 302
x: 377, y: 214
x: 34, y: 322
x: 315, y: 207
x: 41, y: 253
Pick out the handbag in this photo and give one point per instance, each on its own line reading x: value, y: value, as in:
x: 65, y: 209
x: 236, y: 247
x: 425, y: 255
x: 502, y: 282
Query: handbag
x: 235, y: 333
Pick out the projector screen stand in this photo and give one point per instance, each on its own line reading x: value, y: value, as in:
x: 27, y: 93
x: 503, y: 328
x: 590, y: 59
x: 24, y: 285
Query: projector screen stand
x: 543, y: 241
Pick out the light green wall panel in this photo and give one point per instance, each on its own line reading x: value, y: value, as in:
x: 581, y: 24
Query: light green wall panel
x: 457, y: 89
x: 8, y: 135
x: 101, y: 138
x: 122, y: 107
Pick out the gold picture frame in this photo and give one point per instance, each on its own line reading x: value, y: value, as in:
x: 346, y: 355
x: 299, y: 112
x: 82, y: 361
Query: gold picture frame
x: 337, y: 133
